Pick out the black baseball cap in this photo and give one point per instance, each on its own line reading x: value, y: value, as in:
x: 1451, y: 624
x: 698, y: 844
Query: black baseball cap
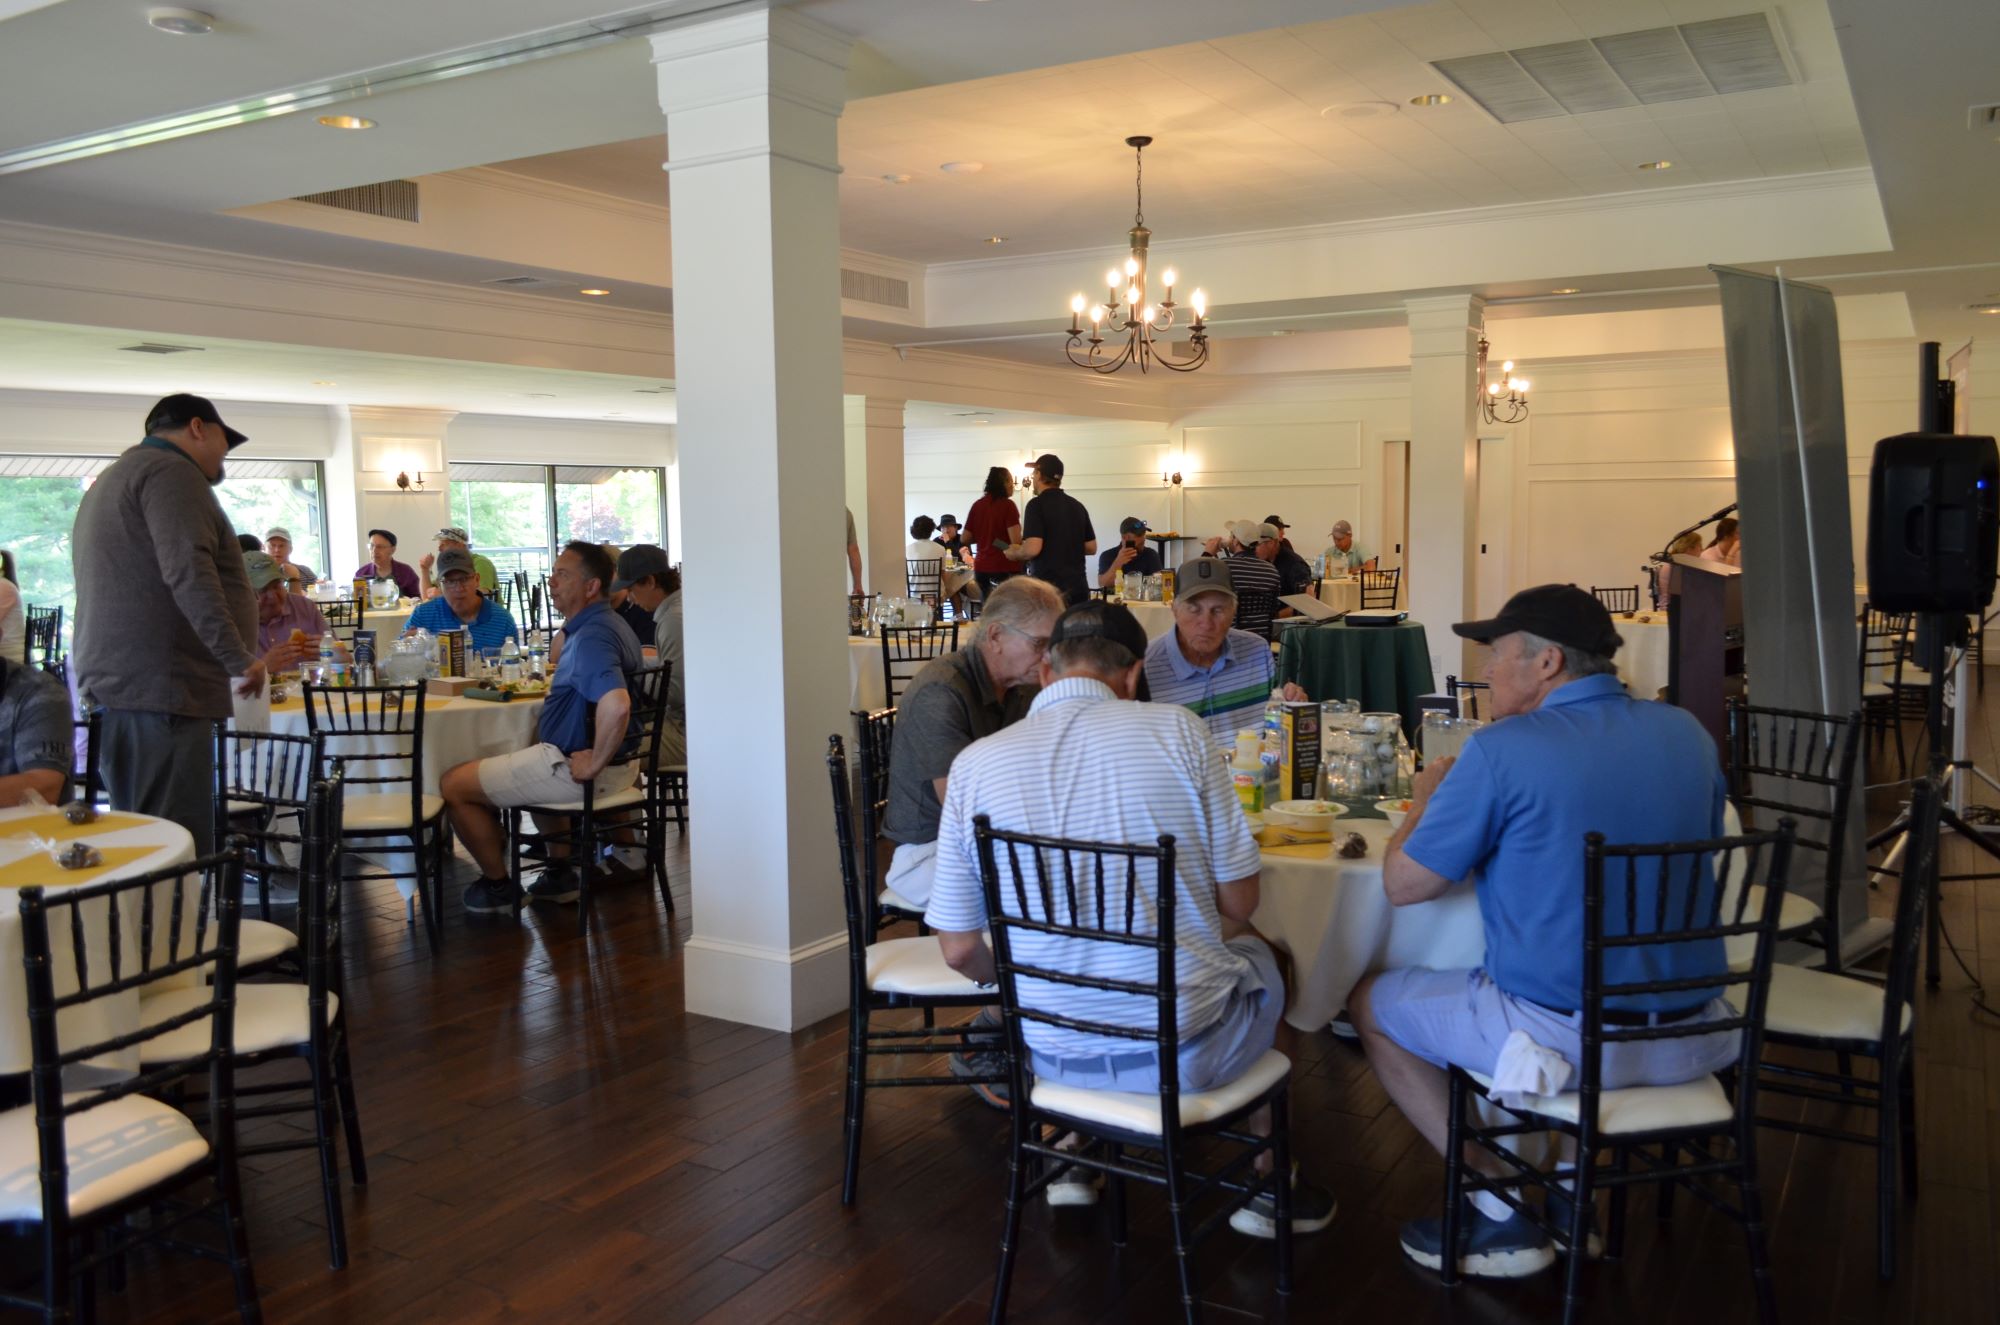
x: 174, y: 412
x: 1272, y: 519
x: 1110, y: 621
x: 1560, y: 612
x: 1049, y: 465
x: 944, y: 520
x: 1132, y: 524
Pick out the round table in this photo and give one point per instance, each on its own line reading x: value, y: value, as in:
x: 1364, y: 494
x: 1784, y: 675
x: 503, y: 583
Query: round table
x: 1156, y: 619
x: 1384, y: 667
x: 1341, y: 595
x: 153, y: 844
x: 1644, y: 657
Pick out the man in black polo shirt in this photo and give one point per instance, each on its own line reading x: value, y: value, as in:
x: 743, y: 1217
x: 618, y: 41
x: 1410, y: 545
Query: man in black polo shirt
x: 1130, y: 557
x: 1056, y: 535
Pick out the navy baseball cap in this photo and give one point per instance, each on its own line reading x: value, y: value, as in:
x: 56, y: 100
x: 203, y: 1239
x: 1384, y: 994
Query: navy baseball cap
x: 174, y: 412
x: 1560, y: 612
x: 1132, y: 524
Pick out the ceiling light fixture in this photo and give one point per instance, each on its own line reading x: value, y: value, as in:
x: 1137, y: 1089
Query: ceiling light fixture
x: 1142, y: 319
x: 1504, y: 400
x: 962, y: 167
x: 1656, y: 165
x: 347, y: 121
x: 594, y: 293
x: 1989, y: 309
x: 1432, y: 99
x: 1566, y: 289
x: 996, y: 239
x: 182, y: 22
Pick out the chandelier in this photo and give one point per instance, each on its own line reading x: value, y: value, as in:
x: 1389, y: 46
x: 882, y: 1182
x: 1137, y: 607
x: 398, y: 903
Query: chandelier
x: 1504, y: 400
x: 1114, y: 338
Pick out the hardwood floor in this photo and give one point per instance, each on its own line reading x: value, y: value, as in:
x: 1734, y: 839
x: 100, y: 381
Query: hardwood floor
x: 551, y: 1138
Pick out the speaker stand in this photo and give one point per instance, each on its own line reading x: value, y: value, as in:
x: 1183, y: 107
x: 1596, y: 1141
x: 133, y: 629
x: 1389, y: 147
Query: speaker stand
x: 1944, y: 630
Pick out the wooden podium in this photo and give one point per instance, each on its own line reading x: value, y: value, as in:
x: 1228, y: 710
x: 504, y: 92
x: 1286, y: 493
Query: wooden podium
x: 1705, y: 639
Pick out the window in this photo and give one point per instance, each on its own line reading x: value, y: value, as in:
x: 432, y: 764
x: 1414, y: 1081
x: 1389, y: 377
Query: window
x: 39, y: 496
x: 521, y: 515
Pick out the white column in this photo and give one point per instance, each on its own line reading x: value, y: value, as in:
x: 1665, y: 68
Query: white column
x: 412, y: 441
x: 753, y: 103
x: 1442, y: 574
x: 875, y: 489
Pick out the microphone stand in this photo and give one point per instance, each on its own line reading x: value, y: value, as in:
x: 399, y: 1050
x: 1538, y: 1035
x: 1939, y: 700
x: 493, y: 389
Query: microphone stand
x: 1662, y: 557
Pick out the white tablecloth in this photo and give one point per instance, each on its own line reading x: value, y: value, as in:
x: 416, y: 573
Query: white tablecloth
x: 100, y: 1019
x: 1156, y: 618
x: 1642, y: 662
x: 1341, y: 595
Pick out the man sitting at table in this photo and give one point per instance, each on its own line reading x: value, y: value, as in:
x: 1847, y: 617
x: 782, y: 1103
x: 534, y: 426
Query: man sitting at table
x: 36, y: 735
x: 463, y: 607
x: 1049, y: 774
x: 1222, y: 676
x: 289, y: 626
x: 452, y: 538
x: 647, y: 579
x: 952, y: 702
x: 278, y: 542
x: 1575, y: 755
x: 599, y: 654
x: 382, y: 564
x: 1295, y: 573
x: 1131, y: 557
x: 1252, y: 576
x: 1343, y: 557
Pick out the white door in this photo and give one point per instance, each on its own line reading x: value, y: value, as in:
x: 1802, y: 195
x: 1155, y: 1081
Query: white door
x: 1495, y: 529
x: 1395, y: 505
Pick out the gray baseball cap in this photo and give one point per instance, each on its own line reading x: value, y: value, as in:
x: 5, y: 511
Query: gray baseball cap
x: 456, y: 559
x: 1203, y: 575
x: 453, y: 533
x: 263, y: 569
x: 637, y: 561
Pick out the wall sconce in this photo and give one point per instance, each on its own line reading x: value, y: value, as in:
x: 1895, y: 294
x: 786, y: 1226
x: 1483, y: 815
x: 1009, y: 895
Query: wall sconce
x: 1171, y: 479
x: 402, y: 456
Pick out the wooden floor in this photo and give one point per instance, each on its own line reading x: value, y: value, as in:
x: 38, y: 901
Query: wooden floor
x: 551, y: 1138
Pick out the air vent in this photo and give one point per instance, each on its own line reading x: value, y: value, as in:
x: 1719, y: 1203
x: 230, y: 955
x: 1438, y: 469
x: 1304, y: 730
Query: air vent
x: 154, y: 347
x: 527, y: 282
x: 395, y: 199
x: 865, y: 287
x: 1706, y: 59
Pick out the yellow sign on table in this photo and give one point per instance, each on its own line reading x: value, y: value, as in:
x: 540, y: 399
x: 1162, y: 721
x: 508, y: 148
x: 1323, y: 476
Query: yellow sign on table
x: 1294, y: 842
x: 39, y: 869
x: 53, y: 825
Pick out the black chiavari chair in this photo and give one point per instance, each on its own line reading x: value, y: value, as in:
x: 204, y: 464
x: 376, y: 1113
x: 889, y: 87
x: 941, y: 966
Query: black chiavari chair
x: 1617, y: 599
x: 1379, y: 589
x: 905, y: 650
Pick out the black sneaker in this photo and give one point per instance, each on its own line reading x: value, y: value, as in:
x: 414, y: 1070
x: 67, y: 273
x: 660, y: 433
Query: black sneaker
x: 1313, y: 1208
x: 1511, y: 1248
x: 491, y: 895
x: 556, y: 884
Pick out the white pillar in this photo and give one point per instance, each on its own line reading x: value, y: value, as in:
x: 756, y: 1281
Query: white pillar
x: 753, y: 103
x: 1442, y: 562
x: 875, y: 490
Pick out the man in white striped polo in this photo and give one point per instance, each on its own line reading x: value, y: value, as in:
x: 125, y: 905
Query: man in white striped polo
x: 1089, y: 764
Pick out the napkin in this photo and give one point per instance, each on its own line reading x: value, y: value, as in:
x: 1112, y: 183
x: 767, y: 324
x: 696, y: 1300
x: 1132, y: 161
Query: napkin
x: 253, y: 712
x: 1524, y: 1070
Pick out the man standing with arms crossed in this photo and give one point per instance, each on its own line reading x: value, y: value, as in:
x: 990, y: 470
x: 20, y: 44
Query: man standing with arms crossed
x: 164, y: 614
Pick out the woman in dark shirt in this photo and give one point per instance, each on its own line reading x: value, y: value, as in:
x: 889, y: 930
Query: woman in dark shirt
x: 992, y: 523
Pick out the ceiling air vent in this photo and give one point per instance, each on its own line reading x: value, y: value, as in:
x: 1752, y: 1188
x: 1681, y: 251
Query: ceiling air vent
x: 525, y: 282
x: 865, y: 287
x: 154, y: 347
x: 394, y: 199
x: 1705, y: 59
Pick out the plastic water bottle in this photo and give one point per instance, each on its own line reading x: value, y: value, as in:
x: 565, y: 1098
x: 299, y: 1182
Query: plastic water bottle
x: 329, y: 661
x: 537, y: 654
x: 510, y: 660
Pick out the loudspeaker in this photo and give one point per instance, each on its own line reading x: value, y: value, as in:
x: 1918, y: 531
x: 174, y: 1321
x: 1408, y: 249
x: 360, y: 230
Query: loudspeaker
x: 1933, y: 523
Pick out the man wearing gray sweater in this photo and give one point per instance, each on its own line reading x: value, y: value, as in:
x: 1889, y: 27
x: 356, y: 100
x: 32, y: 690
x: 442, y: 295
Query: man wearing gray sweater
x: 164, y: 614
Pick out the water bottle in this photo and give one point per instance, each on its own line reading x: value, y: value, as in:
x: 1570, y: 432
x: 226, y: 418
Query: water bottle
x: 537, y: 654
x: 329, y: 661
x: 510, y: 660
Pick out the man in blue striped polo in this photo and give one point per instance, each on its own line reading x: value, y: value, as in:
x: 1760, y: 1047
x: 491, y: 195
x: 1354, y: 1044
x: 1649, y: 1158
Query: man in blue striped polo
x: 1089, y: 764
x: 463, y: 607
x: 1221, y: 675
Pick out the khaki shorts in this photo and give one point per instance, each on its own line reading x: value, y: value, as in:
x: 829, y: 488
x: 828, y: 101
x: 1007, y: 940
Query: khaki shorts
x: 539, y: 775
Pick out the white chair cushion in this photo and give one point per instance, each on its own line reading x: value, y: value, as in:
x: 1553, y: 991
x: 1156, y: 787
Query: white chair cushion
x: 267, y: 1017
x: 260, y: 941
x: 616, y: 800
x: 383, y: 811
x: 1130, y: 1111
x: 1697, y: 1103
x: 914, y: 966
x: 235, y: 808
x: 1823, y: 1006
x: 891, y: 898
x: 115, y: 1150
x: 1875, y: 690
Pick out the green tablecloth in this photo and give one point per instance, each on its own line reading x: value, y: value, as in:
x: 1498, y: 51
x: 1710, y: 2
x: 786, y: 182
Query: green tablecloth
x: 1384, y: 667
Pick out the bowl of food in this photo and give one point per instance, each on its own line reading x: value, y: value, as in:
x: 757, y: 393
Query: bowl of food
x: 1304, y: 816
x: 1394, y: 811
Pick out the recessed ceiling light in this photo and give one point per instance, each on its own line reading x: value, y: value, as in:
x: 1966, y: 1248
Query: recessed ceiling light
x: 182, y: 22
x: 962, y: 167
x: 1989, y: 309
x: 347, y: 121
x: 895, y: 179
x: 995, y: 239
x: 1567, y: 289
x: 319, y: 382
x: 594, y: 293
x: 1656, y: 165
x: 1288, y: 331
x: 1358, y: 110
x: 1432, y: 99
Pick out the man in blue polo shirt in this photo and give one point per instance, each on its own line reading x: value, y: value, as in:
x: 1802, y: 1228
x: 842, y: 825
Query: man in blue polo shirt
x: 1576, y: 754
x: 599, y: 653
x: 463, y: 607
x: 1222, y: 676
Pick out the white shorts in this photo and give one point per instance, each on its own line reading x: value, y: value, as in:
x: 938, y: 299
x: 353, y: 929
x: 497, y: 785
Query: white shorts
x: 539, y: 775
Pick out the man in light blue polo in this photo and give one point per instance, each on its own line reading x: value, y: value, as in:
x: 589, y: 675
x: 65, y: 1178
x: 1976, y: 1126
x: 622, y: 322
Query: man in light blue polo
x: 1048, y: 773
x: 463, y: 607
x: 1575, y: 754
x: 1221, y: 675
